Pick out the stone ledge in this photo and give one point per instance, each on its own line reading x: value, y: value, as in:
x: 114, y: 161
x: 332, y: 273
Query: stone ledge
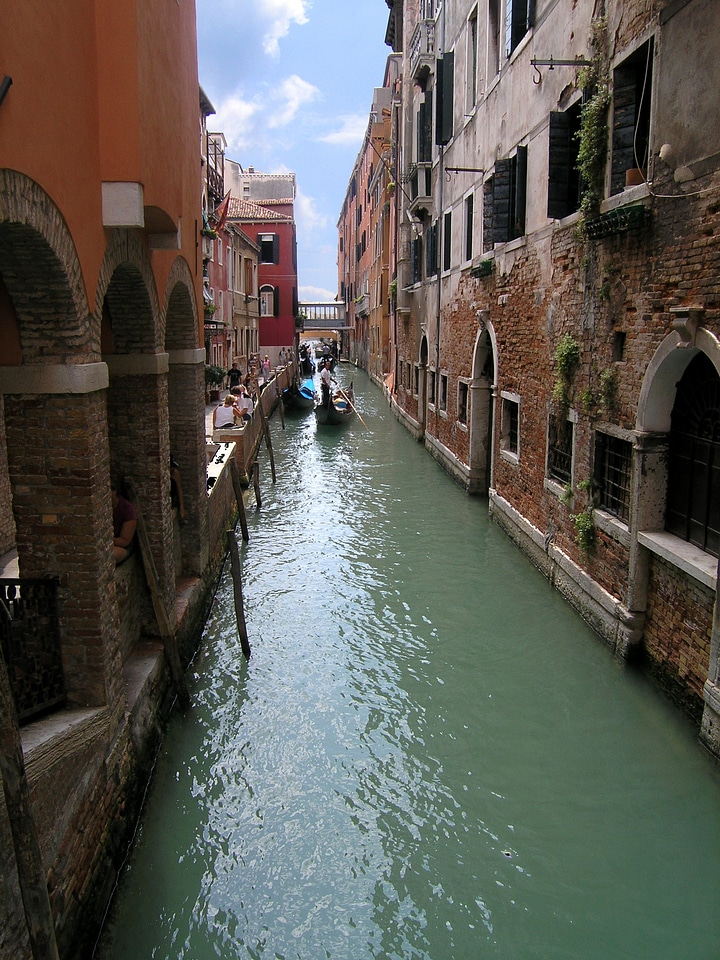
x: 691, y: 560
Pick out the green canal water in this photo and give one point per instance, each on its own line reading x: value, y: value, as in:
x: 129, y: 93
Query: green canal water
x: 428, y: 754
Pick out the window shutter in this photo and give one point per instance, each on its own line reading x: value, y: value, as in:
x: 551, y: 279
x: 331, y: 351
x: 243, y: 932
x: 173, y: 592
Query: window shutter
x: 624, y: 120
x: 276, y: 249
x: 276, y: 301
x: 558, y: 205
x: 518, y: 224
x: 501, y: 201
x: 444, y: 80
x: 488, y: 214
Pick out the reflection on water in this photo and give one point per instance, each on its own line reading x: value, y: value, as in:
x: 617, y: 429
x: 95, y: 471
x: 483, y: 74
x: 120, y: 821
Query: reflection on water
x: 428, y: 754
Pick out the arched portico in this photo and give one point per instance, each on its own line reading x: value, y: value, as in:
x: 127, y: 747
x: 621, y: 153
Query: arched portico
x: 55, y: 436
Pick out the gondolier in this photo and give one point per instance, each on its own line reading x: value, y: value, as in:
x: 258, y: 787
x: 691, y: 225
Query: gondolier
x: 326, y: 378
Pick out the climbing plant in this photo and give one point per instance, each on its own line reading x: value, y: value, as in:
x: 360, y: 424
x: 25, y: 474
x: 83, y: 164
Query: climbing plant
x: 593, y: 133
x: 567, y: 359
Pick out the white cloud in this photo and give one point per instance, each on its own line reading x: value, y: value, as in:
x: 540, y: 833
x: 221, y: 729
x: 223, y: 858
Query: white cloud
x: 308, y: 217
x: 352, y: 130
x: 312, y: 294
x: 292, y: 94
x: 281, y: 13
x: 246, y: 123
x: 235, y: 118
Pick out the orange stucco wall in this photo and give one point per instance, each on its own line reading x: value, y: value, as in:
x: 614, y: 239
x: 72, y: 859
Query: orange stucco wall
x: 104, y: 90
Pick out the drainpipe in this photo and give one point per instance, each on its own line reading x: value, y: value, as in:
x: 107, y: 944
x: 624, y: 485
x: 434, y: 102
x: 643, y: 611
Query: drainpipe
x: 440, y: 241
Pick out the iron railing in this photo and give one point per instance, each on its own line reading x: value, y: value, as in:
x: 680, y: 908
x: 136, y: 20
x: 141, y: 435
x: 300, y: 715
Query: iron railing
x: 30, y: 641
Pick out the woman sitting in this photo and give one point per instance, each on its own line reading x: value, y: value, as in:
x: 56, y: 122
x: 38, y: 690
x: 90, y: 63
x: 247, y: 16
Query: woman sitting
x: 226, y: 416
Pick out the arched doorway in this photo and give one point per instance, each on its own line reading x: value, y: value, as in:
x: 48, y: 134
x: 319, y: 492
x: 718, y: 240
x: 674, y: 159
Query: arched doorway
x: 482, y: 392
x: 422, y: 387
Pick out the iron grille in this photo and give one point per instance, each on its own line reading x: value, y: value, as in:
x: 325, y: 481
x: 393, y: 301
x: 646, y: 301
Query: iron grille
x: 613, y: 461
x: 30, y: 639
x: 560, y: 449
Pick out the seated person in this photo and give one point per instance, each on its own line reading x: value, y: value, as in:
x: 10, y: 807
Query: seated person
x: 226, y: 415
x: 124, y: 525
x: 243, y: 402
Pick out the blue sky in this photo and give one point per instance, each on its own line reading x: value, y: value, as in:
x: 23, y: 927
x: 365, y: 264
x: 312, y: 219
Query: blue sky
x: 292, y: 83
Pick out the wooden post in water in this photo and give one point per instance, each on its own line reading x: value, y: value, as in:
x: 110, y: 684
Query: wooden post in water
x: 31, y: 873
x: 237, y: 592
x: 268, y: 441
x: 282, y: 411
x: 167, y: 630
x: 235, y: 476
x: 256, y: 483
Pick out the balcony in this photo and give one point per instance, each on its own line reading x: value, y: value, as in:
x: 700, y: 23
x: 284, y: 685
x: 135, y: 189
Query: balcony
x: 362, y: 305
x: 422, y: 49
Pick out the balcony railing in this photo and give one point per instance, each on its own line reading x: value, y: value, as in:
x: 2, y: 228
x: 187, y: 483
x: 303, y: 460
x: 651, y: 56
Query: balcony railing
x: 422, y: 47
x: 30, y: 641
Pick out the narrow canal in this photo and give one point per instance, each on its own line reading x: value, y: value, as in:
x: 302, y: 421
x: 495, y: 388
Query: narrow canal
x: 428, y: 755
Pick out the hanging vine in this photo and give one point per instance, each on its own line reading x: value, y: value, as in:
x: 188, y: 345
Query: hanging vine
x: 593, y: 133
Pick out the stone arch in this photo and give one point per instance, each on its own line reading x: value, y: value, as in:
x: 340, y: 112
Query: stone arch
x: 41, y: 272
x: 127, y: 297
x: 657, y: 395
x: 186, y: 398
x: 180, y: 313
x: 482, y: 409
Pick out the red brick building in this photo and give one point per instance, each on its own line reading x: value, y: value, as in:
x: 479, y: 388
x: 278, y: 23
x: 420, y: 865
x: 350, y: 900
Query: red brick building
x: 557, y: 328
x: 263, y: 207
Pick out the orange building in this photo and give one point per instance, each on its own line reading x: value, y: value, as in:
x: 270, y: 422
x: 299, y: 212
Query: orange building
x: 101, y: 374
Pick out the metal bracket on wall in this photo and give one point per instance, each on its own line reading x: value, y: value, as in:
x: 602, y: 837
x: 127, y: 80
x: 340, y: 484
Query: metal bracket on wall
x: 552, y: 63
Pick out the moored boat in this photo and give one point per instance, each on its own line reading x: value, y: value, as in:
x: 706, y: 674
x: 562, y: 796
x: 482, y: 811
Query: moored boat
x: 300, y: 396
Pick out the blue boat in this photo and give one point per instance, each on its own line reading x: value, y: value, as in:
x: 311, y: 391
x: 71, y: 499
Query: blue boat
x: 300, y: 396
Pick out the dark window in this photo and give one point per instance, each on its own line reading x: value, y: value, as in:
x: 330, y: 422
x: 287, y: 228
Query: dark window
x: 424, y: 130
x: 693, y: 501
x: 510, y: 426
x: 560, y: 449
x: 563, y: 176
x: 632, y: 85
x: 431, y: 386
x: 518, y: 20
x: 504, y: 201
x: 447, y: 241
x: 462, y: 401
x: 613, y: 464
x: 431, y: 250
x: 269, y: 248
x: 443, y: 391
x: 469, y: 226
x: 416, y: 260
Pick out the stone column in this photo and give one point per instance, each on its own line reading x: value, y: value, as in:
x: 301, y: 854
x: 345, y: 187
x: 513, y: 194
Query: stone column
x: 186, y: 397
x: 58, y: 463
x: 138, y: 422
x: 649, y: 490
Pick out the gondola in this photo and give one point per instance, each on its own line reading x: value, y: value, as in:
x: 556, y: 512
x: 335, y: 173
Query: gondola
x: 300, y: 396
x: 339, y: 411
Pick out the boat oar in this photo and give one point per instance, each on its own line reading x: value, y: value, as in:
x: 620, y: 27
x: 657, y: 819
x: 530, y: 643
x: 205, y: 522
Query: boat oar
x: 354, y: 409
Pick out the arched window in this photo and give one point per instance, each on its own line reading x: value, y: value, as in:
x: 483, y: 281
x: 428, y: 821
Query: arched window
x: 693, y: 501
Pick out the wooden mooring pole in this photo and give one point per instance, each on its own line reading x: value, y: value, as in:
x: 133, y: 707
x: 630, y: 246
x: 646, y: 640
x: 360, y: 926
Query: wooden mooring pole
x: 256, y: 483
x: 239, y: 498
x: 31, y: 873
x: 237, y: 592
x: 268, y: 441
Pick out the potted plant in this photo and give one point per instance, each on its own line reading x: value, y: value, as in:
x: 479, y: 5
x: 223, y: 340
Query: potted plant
x: 214, y: 377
